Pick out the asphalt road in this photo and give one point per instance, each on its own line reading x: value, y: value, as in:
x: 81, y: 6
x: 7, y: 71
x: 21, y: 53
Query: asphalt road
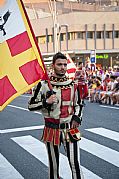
x: 23, y: 155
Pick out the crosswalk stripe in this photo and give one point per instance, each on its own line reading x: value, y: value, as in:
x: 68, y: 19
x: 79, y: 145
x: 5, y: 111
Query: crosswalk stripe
x: 17, y: 107
x: 24, y: 109
x: 105, y: 133
x: 100, y: 151
x: 21, y: 129
x: 23, y: 95
x: 7, y: 171
x: 110, y: 107
x: 38, y: 150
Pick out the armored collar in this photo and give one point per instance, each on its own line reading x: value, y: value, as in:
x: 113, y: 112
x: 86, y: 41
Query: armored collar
x: 56, y: 79
x: 61, y: 82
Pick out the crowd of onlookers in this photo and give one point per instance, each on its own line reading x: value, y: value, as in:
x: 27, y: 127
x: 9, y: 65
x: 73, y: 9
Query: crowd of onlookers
x: 103, y: 86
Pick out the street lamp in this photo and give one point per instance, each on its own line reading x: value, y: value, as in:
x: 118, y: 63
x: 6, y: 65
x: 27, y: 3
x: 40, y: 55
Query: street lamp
x: 59, y: 40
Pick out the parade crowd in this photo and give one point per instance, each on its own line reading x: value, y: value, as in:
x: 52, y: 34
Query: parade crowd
x: 100, y: 86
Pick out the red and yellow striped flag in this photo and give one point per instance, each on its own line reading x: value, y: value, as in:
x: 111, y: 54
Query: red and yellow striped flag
x: 21, y: 65
x: 71, y: 67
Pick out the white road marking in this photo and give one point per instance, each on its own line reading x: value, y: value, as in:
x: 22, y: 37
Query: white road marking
x: 29, y: 96
x: 21, y: 129
x: 38, y: 150
x: 17, y: 107
x: 111, y: 107
x: 100, y: 151
x: 105, y: 133
x: 7, y: 171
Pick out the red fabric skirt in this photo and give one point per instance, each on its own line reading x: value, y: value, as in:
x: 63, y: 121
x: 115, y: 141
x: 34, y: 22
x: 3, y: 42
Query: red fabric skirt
x: 51, y: 135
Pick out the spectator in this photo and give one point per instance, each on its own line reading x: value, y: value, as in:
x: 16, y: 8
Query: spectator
x: 109, y: 90
x: 115, y: 94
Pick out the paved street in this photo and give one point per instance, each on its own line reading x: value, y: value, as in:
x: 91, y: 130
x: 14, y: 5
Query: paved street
x: 23, y: 154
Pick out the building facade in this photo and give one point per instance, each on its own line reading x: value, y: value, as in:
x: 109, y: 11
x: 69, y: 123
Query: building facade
x: 78, y: 33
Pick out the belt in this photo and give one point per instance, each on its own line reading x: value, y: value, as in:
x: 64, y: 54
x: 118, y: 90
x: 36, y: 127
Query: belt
x: 64, y: 126
x: 52, y: 125
x: 57, y: 126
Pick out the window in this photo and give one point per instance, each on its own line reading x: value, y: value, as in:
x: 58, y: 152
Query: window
x: 116, y: 34
x: 108, y: 34
x: 71, y: 36
x: 62, y: 37
x: 90, y: 35
x: 50, y: 38
x: 80, y: 35
x: 42, y: 40
x: 98, y: 35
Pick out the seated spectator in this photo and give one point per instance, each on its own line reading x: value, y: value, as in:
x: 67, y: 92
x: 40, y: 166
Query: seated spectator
x: 91, y: 87
x: 99, y: 89
x: 110, y: 87
x: 116, y: 71
x: 115, y: 95
x: 105, y: 82
x: 95, y: 89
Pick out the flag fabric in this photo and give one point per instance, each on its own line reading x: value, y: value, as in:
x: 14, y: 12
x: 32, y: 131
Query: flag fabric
x: 21, y: 64
x: 71, y: 67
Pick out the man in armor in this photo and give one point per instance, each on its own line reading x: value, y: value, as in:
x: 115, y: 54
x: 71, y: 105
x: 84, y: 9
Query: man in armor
x: 62, y: 112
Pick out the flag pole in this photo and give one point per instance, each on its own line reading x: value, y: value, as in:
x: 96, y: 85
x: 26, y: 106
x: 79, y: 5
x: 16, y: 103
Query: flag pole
x: 36, y: 43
